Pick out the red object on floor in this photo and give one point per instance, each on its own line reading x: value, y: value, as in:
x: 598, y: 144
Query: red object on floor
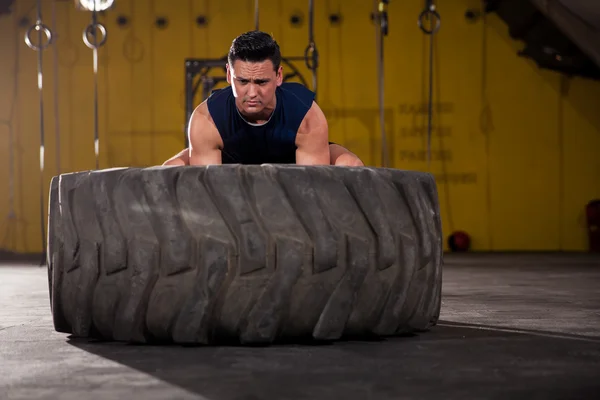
x: 592, y: 213
x: 459, y: 241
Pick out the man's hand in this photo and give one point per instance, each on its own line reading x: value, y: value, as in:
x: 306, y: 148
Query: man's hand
x: 205, y: 141
x: 343, y: 157
x: 181, y: 158
x: 312, y: 140
x: 339, y: 156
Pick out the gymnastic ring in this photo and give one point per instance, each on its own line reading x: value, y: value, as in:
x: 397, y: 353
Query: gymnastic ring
x: 89, y: 30
x: 312, y: 61
x: 37, y: 27
x: 430, y: 12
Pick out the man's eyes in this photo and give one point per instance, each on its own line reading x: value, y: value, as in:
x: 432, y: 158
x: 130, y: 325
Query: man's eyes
x: 244, y: 82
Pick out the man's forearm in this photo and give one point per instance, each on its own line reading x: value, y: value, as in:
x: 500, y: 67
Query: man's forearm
x: 335, y: 150
x: 207, y: 157
x: 314, y: 158
x: 184, y: 158
x: 339, y: 155
x: 181, y: 158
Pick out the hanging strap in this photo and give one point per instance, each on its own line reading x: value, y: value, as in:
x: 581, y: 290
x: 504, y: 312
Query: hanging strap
x: 311, y: 54
x: 256, y: 9
x: 41, y: 28
x: 428, y: 14
x: 56, y: 102
x: 382, y: 32
x: 92, y: 30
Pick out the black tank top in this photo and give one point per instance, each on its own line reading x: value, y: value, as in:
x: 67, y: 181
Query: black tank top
x: 273, y: 142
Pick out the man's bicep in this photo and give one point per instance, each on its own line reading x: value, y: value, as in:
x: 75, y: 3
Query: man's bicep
x: 181, y: 158
x: 312, y: 149
x: 206, y: 157
x: 312, y: 140
x: 204, y: 142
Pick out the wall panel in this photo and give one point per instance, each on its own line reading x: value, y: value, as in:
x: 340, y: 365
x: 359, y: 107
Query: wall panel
x: 515, y: 148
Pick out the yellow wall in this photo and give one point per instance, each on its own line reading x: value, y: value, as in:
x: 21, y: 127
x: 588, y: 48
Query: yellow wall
x: 518, y: 145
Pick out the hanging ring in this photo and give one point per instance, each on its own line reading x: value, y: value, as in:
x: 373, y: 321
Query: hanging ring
x: 311, y: 57
x: 37, y: 27
x: 91, y: 30
x: 429, y: 13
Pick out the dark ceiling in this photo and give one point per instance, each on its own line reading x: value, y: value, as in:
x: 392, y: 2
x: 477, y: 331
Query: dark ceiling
x: 561, y: 35
x: 586, y: 10
x: 6, y: 6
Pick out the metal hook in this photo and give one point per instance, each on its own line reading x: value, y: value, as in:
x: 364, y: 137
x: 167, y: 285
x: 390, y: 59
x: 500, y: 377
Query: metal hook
x: 311, y: 56
x: 91, y: 30
x: 428, y: 12
x: 37, y: 27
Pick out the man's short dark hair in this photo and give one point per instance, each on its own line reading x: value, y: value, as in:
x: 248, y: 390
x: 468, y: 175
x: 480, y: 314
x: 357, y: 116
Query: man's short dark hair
x: 254, y: 46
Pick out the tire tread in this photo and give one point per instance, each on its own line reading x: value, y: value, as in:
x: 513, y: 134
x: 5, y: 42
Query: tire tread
x: 247, y: 253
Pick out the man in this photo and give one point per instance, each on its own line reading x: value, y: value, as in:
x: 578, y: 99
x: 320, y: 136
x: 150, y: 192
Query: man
x: 258, y: 118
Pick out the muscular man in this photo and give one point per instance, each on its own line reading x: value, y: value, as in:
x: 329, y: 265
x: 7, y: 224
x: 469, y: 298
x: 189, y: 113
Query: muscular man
x: 259, y: 118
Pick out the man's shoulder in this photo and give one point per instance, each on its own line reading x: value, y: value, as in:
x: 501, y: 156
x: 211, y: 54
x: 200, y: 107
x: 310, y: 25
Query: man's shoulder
x: 294, y: 86
x: 202, y: 112
x: 297, y: 92
x: 220, y: 93
x: 219, y: 102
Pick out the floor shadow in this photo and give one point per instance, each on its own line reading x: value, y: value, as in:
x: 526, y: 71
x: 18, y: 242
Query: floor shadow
x: 456, y: 361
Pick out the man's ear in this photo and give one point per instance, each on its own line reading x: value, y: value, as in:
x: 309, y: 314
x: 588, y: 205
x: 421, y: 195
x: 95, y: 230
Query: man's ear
x: 280, y: 75
x: 228, y: 73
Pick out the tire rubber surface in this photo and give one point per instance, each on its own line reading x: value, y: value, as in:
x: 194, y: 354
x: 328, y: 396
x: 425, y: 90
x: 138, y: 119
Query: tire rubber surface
x: 249, y: 253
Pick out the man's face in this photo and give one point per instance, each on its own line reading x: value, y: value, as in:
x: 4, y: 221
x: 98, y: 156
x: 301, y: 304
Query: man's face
x: 253, y: 85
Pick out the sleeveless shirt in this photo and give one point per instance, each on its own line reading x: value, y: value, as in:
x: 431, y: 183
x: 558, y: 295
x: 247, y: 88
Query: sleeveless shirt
x: 273, y: 142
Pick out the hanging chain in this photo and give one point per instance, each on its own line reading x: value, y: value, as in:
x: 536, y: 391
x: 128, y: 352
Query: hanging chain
x: 311, y: 54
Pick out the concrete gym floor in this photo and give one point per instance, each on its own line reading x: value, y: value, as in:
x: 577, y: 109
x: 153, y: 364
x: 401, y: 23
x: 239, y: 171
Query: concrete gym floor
x: 512, y: 327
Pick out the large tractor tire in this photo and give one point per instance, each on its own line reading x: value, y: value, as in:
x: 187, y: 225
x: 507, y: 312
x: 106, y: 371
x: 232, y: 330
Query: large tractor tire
x: 253, y: 254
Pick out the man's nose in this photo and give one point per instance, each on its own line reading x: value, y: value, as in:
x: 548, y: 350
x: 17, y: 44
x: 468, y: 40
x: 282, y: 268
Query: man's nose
x: 252, y: 90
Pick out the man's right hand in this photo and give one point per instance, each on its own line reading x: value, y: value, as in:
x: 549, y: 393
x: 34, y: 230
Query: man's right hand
x: 204, y: 138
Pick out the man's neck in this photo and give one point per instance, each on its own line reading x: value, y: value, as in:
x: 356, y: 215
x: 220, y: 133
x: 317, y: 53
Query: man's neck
x: 261, y: 118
